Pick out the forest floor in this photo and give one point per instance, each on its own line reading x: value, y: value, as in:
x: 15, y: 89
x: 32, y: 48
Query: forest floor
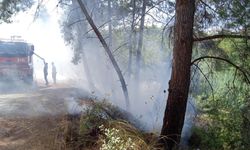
x: 33, y: 117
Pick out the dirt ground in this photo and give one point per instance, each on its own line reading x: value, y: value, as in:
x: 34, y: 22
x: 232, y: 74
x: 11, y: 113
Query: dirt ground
x: 33, y: 117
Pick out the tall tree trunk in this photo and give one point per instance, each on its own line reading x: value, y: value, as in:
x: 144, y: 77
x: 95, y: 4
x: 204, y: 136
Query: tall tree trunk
x: 105, y: 46
x: 140, y: 42
x: 131, y: 38
x: 173, y: 120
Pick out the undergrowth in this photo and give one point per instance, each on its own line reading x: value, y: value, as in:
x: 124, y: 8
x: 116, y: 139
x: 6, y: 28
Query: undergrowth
x: 104, y: 127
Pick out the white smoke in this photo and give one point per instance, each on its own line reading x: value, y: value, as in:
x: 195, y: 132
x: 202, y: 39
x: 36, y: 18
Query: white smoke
x: 43, y: 32
x: 147, y: 100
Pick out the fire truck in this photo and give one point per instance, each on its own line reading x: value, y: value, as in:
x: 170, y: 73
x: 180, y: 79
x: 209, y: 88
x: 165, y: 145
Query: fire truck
x: 16, y: 62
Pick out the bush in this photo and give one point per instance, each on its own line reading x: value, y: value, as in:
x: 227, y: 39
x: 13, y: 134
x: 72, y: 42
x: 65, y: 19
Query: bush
x: 102, y: 126
x: 113, y: 139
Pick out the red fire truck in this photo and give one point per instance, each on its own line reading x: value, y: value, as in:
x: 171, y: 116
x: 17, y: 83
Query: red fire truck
x: 16, y: 60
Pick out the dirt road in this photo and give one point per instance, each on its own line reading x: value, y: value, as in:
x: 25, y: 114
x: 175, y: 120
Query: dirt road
x: 33, y: 117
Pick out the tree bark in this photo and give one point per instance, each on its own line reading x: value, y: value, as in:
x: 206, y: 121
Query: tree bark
x: 140, y: 42
x: 110, y: 55
x: 173, y: 120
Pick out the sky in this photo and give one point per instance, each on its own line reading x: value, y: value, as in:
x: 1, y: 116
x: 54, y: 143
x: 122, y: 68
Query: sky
x: 44, y: 33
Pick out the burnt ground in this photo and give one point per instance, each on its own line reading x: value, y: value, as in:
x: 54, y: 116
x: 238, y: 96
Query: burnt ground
x: 33, y: 117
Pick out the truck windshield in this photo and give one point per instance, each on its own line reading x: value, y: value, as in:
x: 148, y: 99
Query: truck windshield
x: 12, y: 49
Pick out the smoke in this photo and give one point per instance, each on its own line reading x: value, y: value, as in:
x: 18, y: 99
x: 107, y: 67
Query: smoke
x: 41, y: 28
x: 147, y: 96
x: 43, y: 31
x: 191, y: 113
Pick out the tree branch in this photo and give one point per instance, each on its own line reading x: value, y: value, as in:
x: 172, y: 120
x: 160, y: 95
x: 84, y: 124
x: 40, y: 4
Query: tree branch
x: 205, y: 4
x: 159, y: 2
x: 80, y: 20
x: 119, y: 47
x: 219, y: 36
x: 102, y: 25
x: 155, y: 18
x: 195, y: 70
x: 164, y: 28
x: 245, y: 73
x: 205, y: 78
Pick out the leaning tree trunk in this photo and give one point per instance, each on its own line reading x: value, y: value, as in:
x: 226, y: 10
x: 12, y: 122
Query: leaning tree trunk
x: 173, y: 120
x: 111, y: 57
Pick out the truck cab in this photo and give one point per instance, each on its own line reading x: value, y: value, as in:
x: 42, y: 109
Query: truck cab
x: 16, y: 62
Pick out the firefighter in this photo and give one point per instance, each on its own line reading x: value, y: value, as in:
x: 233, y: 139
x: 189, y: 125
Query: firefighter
x: 54, y: 72
x: 45, y: 72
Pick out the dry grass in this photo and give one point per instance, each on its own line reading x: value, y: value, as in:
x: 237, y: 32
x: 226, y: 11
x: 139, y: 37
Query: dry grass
x: 84, y: 133
x: 71, y: 132
x: 40, y: 133
x: 141, y: 140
